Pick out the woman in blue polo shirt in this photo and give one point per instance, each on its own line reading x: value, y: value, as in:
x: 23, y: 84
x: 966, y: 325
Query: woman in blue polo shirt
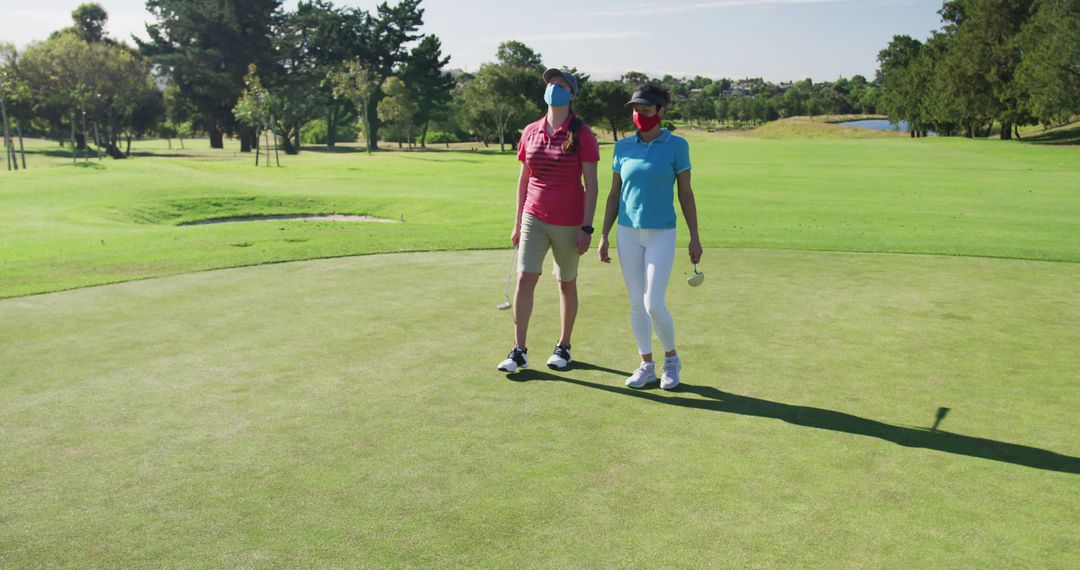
x: 647, y: 167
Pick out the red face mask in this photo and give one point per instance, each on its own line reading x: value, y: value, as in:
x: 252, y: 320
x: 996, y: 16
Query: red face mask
x: 645, y: 123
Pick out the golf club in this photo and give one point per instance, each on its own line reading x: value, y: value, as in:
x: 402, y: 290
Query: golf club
x: 510, y: 276
x: 697, y: 278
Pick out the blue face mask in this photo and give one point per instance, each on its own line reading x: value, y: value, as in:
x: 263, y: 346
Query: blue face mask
x: 556, y: 96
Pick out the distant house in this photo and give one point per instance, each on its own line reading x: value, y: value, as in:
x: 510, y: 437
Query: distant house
x: 785, y: 85
x: 740, y: 89
x: 696, y: 92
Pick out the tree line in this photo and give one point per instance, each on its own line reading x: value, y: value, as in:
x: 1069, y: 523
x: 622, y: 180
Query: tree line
x: 189, y: 76
x: 994, y: 64
x: 324, y: 74
x: 503, y: 95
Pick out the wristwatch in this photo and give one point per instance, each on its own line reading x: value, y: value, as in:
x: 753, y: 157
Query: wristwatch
x: 587, y: 229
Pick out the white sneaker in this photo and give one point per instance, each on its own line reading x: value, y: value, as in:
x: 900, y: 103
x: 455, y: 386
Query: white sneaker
x: 643, y: 376
x: 516, y: 360
x: 670, y: 377
x: 560, y: 359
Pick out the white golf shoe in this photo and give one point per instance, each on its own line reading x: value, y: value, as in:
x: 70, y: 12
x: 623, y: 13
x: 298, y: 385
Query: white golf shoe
x: 643, y: 376
x: 516, y: 360
x: 560, y: 359
x: 670, y: 377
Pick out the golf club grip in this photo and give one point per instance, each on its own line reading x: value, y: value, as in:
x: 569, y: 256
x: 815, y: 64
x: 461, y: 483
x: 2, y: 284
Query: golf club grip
x: 510, y: 274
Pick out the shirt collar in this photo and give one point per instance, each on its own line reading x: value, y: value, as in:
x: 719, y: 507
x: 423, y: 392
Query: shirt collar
x: 565, y: 126
x: 665, y: 136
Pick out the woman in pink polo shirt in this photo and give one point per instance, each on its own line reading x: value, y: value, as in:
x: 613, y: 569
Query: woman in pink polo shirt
x: 554, y: 212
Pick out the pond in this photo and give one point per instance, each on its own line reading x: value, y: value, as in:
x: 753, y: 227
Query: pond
x: 878, y: 125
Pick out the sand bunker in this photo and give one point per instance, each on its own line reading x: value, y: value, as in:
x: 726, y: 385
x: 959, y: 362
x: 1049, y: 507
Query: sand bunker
x: 318, y: 218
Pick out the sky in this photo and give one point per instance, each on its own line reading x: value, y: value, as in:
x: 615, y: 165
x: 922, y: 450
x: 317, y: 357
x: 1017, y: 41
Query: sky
x: 778, y: 40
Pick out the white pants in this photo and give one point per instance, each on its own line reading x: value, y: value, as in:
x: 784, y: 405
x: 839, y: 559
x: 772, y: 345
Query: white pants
x: 646, y: 257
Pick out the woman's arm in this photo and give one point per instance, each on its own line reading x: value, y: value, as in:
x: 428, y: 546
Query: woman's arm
x: 611, y: 210
x: 689, y: 210
x: 588, y: 171
x: 523, y: 188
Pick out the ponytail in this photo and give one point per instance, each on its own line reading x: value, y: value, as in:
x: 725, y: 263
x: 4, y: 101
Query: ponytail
x: 571, y: 142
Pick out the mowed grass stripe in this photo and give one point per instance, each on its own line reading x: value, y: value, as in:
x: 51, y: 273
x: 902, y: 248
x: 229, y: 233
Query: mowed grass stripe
x: 347, y: 412
x: 63, y: 227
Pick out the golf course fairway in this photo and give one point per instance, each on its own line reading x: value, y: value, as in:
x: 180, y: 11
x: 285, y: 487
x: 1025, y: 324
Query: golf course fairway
x: 347, y: 412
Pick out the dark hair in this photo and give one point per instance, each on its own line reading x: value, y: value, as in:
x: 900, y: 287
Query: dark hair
x: 571, y: 142
x: 655, y: 91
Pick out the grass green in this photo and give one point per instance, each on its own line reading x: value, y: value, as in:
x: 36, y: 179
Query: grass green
x: 63, y: 227
x: 346, y: 411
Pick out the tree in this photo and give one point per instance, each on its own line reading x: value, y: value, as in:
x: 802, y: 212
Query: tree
x: 609, y: 98
x: 793, y: 102
x: 90, y: 22
x: 384, y: 47
x: 295, y: 80
x: 504, y: 94
x: 495, y: 100
x: 906, y: 82
x: 965, y: 76
x: 147, y: 113
x: 399, y: 107
x: 205, y: 47
x: 55, y: 73
x: 1050, y: 69
x: 983, y: 49
x: 124, y: 102
x: 723, y: 109
x: 429, y: 85
x: 698, y: 108
x: 516, y: 54
x: 253, y: 108
x: 104, y: 89
x: 312, y: 41
x: 178, y: 113
x: 15, y: 101
x: 354, y: 82
x: 634, y: 78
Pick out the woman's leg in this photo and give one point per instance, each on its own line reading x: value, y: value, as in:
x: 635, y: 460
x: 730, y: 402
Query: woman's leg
x: 659, y: 257
x: 564, y: 250
x: 632, y: 264
x: 568, y: 306
x: 523, y: 306
x: 531, y: 252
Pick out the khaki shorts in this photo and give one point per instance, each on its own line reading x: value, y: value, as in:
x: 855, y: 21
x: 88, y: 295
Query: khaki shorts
x: 537, y: 237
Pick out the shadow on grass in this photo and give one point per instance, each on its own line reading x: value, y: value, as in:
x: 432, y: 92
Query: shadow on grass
x: 1063, y: 136
x: 719, y: 401
x: 411, y: 153
x: 91, y: 155
x: 333, y: 149
x: 425, y: 159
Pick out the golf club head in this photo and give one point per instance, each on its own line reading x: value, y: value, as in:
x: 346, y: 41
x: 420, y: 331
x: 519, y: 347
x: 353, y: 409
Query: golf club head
x: 697, y: 278
x: 504, y: 306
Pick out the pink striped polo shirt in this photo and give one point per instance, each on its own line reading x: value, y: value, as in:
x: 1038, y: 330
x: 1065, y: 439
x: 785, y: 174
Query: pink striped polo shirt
x: 555, y: 194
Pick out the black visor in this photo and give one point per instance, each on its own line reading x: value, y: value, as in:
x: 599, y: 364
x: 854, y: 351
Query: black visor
x: 648, y: 95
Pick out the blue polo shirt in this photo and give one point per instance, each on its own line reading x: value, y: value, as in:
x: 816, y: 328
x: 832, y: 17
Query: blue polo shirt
x: 648, y: 170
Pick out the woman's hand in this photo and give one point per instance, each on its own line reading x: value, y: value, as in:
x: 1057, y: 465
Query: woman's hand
x: 602, y: 249
x: 515, y: 236
x: 695, y: 251
x: 583, y: 241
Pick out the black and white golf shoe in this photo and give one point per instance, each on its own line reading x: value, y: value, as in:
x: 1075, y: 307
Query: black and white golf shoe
x: 560, y: 359
x: 516, y: 360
